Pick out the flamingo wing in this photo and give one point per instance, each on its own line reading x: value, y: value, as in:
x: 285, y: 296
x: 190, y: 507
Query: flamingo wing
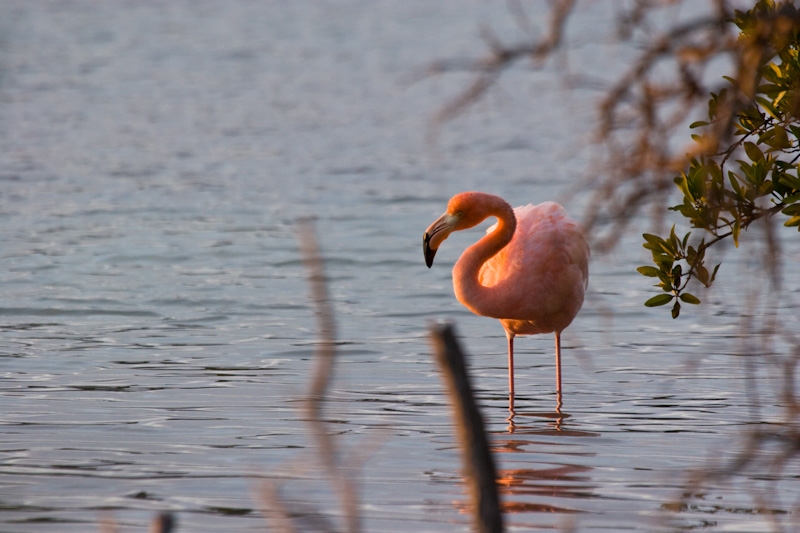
x: 543, y: 272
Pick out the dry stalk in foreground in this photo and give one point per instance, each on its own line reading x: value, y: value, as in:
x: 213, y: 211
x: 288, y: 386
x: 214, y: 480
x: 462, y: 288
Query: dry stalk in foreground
x: 343, y: 486
x: 478, y: 461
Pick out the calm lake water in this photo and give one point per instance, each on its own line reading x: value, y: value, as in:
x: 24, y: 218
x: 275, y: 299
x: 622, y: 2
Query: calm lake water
x: 156, y: 335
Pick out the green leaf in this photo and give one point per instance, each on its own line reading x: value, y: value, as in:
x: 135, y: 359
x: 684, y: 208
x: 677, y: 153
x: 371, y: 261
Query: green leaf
x: 792, y: 210
x: 689, y: 298
x: 657, y: 245
x: 794, y: 221
x: 683, y: 185
x: 734, y: 179
x: 673, y: 239
x: 661, y: 299
x: 665, y: 278
x: 650, y: 272
x: 768, y: 107
x: 652, y: 239
x: 749, y: 173
x: 701, y: 273
x: 676, y: 309
x: 753, y: 151
x: 661, y: 259
x: 789, y: 182
x: 691, y: 256
x: 714, y: 274
x: 698, y: 124
x: 735, y: 233
x: 781, y: 139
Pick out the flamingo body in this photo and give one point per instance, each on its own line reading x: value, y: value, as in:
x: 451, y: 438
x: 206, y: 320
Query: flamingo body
x: 529, y: 271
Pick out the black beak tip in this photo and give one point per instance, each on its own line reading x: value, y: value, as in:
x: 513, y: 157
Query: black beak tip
x: 429, y: 252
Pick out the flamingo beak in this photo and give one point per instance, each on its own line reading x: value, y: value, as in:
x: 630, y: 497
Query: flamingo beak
x: 427, y: 249
x: 435, y: 234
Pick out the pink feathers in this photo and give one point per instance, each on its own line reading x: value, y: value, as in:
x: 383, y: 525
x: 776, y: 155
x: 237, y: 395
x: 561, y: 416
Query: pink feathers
x: 542, y: 273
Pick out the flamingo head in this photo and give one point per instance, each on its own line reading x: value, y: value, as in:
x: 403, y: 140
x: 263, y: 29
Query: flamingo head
x: 463, y: 211
x: 437, y: 233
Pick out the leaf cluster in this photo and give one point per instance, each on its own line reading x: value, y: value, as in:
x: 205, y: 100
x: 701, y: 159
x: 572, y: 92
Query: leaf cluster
x: 668, y: 255
x: 733, y: 181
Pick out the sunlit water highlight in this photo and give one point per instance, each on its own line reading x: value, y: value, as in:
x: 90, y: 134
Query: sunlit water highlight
x: 155, y: 330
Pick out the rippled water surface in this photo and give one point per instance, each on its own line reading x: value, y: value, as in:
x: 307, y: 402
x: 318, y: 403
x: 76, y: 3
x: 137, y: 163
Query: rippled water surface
x: 156, y: 335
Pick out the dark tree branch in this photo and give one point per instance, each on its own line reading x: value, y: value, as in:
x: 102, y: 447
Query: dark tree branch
x: 478, y: 461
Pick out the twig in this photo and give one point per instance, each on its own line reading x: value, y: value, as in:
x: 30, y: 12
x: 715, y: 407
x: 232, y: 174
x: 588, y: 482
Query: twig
x: 279, y: 519
x: 478, y: 461
x: 324, y: 355
x: 343, y: 486
x: 163, y: 523
x: 500, y: 57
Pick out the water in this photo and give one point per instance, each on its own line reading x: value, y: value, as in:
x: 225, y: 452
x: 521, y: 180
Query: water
x: 156, y: 335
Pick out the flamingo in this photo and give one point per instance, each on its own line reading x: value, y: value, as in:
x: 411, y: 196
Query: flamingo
x: 530, y: 270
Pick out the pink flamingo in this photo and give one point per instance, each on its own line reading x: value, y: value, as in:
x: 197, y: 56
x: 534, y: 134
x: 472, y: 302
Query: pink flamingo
x: 530, y: 270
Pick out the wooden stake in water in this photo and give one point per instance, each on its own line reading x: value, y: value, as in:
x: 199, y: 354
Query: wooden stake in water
x: 478, y: 461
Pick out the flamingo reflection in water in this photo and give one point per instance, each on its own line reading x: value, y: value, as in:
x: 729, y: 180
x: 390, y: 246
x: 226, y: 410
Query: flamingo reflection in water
x: 530, y: 270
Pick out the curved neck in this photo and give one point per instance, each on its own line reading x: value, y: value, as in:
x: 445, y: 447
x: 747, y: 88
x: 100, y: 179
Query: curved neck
x: 466, y: 282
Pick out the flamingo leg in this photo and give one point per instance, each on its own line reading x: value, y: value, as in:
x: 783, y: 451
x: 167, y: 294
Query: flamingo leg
x: 558, y: 364
x: 511, y: 373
